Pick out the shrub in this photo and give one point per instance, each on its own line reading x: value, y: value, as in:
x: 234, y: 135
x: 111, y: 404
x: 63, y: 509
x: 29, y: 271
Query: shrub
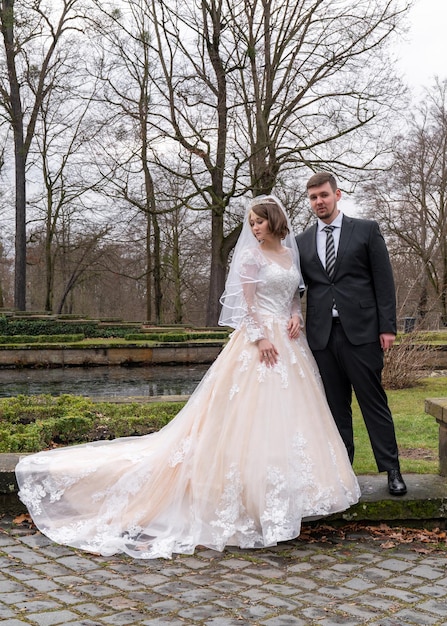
x: 17, y: 339
x: 66, y: 430
x: 176, y: 336
x: 34, y: 326
x: 405, y: 362
x: 23, y: 409
x: 33, y: 423
x: 21, y: 438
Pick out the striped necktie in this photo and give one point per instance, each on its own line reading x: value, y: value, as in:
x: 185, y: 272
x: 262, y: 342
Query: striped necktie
x: 330, y: 250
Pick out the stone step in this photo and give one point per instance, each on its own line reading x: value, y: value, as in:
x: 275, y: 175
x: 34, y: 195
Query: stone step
x: 424, y: 504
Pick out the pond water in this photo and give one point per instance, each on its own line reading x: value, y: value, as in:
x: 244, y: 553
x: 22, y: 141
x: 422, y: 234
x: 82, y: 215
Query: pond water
x: 161, y: 380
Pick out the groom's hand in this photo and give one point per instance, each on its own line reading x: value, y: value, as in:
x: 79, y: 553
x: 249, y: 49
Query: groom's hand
x: 294, y: 327
x: 386, y: 340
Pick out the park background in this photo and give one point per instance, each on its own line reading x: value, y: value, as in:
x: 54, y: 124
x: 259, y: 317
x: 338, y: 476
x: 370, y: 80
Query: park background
x: 133, y: 132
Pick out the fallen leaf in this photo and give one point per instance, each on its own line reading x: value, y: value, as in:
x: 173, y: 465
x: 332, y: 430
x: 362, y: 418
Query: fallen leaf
x: 21, y: 519
x: 387, y: 545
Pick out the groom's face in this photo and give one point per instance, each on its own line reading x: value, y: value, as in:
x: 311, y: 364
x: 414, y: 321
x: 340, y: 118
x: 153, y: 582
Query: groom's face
x: 323, y: 200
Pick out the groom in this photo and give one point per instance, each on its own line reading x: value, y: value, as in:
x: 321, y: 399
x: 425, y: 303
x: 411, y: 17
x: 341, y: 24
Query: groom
x: 351, y: 319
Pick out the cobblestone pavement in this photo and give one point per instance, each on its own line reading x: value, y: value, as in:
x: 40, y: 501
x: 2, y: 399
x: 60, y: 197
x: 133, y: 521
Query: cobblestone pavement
x: 348, y: 578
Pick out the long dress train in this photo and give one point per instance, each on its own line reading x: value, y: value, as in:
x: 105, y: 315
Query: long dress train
x: 254, y: 451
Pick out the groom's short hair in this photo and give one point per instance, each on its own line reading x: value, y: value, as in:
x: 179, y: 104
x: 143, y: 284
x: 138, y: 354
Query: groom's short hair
x: 320, y: 178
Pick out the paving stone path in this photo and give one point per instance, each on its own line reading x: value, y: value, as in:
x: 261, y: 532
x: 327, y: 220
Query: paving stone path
x: 350, y: 579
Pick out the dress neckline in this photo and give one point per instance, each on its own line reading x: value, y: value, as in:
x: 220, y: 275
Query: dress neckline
x: 270, y: 257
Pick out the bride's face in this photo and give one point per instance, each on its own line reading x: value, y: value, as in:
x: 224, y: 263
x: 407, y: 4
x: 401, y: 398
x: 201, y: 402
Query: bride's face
x: 259, y: 227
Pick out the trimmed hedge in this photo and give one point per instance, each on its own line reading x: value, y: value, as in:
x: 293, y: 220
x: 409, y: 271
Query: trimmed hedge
x: 94, y: 329
x: 34, y: 423
x: 8, y: 339
x: 31, y: 329
x: 174, y: 337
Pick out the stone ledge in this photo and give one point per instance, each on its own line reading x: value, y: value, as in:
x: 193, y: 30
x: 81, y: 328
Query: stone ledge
x: 437, y: 407
x: 73, y: 356
x: 425, y: 503
x: 9, y: 501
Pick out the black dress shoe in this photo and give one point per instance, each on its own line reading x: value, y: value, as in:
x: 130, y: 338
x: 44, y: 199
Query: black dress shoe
x: 396, y: 484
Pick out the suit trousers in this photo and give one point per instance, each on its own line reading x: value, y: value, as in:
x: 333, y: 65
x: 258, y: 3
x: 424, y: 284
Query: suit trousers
x: 343, y: 367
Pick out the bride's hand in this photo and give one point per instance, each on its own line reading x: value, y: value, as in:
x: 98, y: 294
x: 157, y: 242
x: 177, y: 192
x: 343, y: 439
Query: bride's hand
x: 268, y: 354
x: 294, y: 327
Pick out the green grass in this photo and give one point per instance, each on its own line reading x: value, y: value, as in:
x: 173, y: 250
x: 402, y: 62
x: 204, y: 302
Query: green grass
x: 416, y: 431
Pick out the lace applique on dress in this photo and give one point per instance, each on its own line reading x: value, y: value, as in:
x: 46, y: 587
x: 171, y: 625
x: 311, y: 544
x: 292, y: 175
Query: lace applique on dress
x: 52, y: 486
x: 292, y: 356
x: 232, y: 519
x: 178, y: 456
x: 31, y: 495
x: 253, y: 330
x: 245, y: 359
x: 117, y: 494
x: 277, y: 521
x: 317, y: 498
x: 279, y: 369
x: 304, y: 467
x: 295, y: 362
x: 262, y: 371
x: 233, y: 391
x: 65, y: 534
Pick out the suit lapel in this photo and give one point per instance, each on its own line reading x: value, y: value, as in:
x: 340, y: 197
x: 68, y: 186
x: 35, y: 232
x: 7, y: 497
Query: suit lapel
x: 345, y: 236
x: 313, y: 237
x: 347, y: 227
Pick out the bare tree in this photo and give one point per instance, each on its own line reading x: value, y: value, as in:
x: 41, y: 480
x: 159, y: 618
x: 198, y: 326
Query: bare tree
x: 253, y: 90
x: 195, y: 80
x: 313, y: 76
x: 82, y: 252
x: 68, y: 178
x: 185, y: 237
x: 411, y: 199
x: 126, y: 68
x: 32, y: 33
x: 5, y: 276
x: 244, y: 92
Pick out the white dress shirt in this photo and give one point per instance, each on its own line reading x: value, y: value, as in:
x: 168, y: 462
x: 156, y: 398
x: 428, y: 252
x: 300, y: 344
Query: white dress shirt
x: 321, y: 237
x: 321, y: 245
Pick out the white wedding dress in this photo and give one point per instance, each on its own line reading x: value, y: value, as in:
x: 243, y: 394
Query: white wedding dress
x: 253, y: 452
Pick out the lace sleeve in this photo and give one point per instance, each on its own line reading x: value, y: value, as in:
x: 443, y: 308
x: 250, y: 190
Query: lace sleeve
x: 239, y: 298
x: 250, y: 267
x: 296, y: 306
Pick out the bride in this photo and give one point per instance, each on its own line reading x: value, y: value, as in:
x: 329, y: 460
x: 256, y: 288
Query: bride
x: 253, y: 452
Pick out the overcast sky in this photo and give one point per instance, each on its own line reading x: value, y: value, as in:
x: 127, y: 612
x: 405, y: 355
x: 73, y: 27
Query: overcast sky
x: 424, y: 54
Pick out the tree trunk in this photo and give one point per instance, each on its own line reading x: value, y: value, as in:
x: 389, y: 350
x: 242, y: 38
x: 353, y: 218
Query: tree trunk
x: 423, y: 300
x: 178, y: 309
x: 148, y: 269
x: 158, y: 293
x: 217, y: 273
x: 16, y: 113
x: 444, y: 287
x: 20, y: 232
x: 49, y: 267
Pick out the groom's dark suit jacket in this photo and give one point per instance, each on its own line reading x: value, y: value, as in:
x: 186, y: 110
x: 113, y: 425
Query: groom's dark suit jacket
x: 362, y: 286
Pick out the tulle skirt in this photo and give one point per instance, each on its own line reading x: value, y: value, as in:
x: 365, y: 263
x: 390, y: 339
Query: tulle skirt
x: 253, y: 453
